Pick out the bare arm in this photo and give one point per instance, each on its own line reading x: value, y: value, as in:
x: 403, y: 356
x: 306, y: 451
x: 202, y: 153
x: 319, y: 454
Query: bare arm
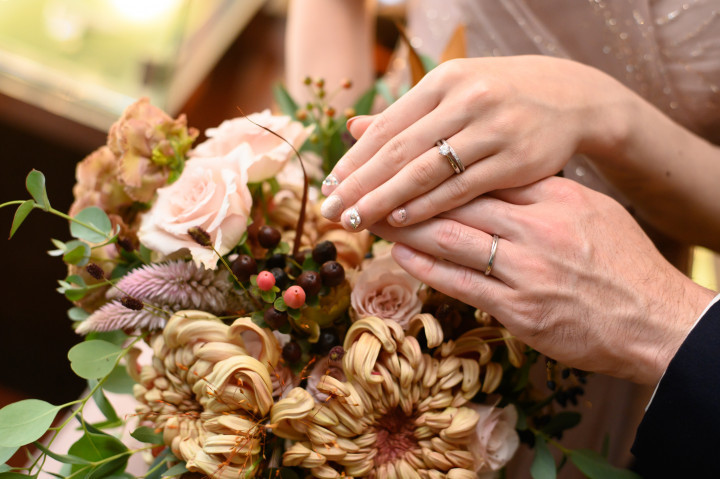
x: 331, y: 39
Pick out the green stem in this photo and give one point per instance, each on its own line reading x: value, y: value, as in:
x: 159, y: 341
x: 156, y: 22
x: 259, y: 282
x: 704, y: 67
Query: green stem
x: 70, y: 218
x: 14, y: 202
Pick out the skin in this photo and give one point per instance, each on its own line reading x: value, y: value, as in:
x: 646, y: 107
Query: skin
x: 573, y: 273
x: 513, y: 121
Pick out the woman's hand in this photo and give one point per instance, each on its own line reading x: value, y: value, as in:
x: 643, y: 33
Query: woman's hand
x: 511, y: 120
x: 573, y: 276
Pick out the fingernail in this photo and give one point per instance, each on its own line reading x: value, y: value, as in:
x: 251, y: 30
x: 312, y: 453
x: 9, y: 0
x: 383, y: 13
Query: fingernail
x: 350, y: 121
x: 352, y: 217
x: 329, y: 184
x: 399, y: 216
x: 402, y: 252
x: 331, y: 207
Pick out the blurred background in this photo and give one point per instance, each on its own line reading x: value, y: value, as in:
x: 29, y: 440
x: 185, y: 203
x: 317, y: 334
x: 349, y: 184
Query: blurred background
x: 68, y: 69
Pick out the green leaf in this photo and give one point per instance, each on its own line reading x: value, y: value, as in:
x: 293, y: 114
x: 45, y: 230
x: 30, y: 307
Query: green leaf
x: 364, y: 104
x: 25, y: 421
x: 7, y: 452
x: 64, y: 458
x: 103, y: 404
x: 594, y: 466
x: 97, y: 448
x: 543, y: 465
x: 280, y: 304
x: 20, y: 214
x: 35, y: 184
x: 14, y: 475
x: 561, y: 421
x: 95, y: 217
x: 176, y: 470
x: 146, y: 434
x: 4, y: 468
x: 119, y: 381
x: 158, y: 469
x: 267, y: 296
x: 116, y: 337
x: 93, y: 359
x: 77, y: 314
x: 285, y: 102
x: 79, y: 255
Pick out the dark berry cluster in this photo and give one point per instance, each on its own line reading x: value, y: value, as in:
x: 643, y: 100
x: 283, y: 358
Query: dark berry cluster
x: 283, y: 284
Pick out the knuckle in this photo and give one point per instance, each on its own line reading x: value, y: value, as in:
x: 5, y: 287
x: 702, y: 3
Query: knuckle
x: 457, y: 189
x: 351, y: 188
x: 451, y: 235
x: 380, y: 128
x: 395, y: 152
x: 422, y: 174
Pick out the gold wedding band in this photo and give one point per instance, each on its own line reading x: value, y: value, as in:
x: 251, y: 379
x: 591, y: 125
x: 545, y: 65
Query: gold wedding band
x: 493, y: 249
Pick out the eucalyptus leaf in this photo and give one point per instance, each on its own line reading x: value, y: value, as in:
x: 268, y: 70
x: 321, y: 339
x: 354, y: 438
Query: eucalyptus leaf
x: 93, y: 359
x: 7, y: 452
x: 64, y: 458
x: 176, y: 470
x: 105, y: 407
x: 146, y: 434
x: 95, y: 217
x: 25, y: 421
x: 98, y: 449
x: 35, y: 184
x: 119, y: 381
x: 543, y: 465
x: 77, y: 314
x: 159, y: 465
x: 594, y: 466
x: 20, y: 214
x: 14, y: 475
x: 285, y: 102
x: 79, y: 255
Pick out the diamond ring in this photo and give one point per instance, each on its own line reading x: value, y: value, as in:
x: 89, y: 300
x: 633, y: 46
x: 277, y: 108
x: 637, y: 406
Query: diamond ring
x: 448, y: 152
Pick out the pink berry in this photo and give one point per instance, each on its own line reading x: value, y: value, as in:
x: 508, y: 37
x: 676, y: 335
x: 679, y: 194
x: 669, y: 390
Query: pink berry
x: 294, y: 297
x: 265, y: 280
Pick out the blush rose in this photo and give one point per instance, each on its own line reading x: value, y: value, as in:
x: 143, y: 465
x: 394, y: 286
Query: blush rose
x: 495, y: 440
x: 212, y: 194
x: 270, y: 153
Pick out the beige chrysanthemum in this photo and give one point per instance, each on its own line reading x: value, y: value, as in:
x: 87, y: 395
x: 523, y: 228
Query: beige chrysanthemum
x: 401, y: 412
x: 205, y: 392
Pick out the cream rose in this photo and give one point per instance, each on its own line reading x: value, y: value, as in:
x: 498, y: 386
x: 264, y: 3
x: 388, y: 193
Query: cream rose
x: 495, y: 440
x: 384, y: 289
x: 270, y: 153
x: 212, y: 194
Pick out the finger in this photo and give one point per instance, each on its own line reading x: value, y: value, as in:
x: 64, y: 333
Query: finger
x: 404, y: 112
x: 419, y: 176
x: 358, y: 125
x: 493, y: 172
x: 468, y: 285
x: 532, y: 193
x: 454, y: 242
x: 407, y: 145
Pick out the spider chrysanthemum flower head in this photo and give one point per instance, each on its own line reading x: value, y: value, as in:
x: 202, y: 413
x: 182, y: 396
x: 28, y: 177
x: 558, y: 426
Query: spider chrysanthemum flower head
x: 167, y: 287
x: 401, y: 412
x: 207, y: 394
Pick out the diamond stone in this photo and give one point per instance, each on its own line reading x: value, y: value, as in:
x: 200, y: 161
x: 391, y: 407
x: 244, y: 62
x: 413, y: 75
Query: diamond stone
x: 445, y: 149
x: 354, y: 218
x: 331, y: 180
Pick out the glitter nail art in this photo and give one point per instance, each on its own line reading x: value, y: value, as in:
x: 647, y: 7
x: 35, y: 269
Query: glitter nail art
x: 331, y: 180
x: 354, y: 218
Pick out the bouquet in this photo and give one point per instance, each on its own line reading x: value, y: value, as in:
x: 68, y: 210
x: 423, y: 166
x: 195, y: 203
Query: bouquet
x: 260, y: 339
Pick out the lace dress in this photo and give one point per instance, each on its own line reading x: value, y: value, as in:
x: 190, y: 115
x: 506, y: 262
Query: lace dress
x: 668, y: 51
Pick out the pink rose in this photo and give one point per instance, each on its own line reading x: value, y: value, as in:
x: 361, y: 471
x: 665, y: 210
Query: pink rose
x: 270, y: 153
x: 495, y: 440
x: 385, y: 290
x: 212, y: 194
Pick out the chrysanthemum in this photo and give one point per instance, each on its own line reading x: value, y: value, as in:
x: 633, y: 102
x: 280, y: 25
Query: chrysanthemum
x: 401, y: 412
x: 167, y: 288
x: 207, y: 395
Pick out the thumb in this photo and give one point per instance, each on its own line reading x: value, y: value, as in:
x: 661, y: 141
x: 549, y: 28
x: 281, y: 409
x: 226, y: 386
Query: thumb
x: 357, y: 125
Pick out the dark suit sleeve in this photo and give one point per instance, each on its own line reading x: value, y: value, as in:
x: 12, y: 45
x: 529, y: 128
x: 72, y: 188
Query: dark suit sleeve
x: 679, y: 435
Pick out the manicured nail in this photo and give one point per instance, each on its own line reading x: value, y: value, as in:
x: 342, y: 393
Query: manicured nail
x: 329, y: 184
x: 352, y: 120
x: 353, y: 218
x: 399, y: 215
x: 332, y: 207
x: 402, y: 252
